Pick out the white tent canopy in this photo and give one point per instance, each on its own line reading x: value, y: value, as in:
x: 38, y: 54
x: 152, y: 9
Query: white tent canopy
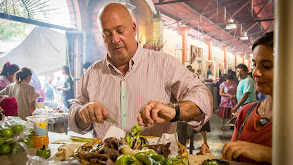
x: 43, y: 51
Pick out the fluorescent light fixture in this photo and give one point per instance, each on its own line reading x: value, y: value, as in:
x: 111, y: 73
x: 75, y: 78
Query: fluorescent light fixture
x: 231, y: 25
x: 244, y: 36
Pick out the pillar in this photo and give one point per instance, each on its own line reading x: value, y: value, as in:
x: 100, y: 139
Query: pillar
x: 225, y: 59
x: 235, y: 53
x: 283, y: 78
x: 183, y: 31
x: 209, y: 42
x: 158, y: 29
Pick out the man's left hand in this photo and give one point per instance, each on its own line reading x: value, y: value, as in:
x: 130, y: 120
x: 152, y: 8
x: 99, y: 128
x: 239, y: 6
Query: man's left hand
x: 155, y: 113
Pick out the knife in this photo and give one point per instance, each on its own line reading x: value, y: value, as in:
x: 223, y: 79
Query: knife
x: 109, y: 119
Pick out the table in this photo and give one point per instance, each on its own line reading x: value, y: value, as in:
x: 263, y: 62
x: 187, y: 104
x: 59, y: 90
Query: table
x: 58, y: 123
x: 55, y: 138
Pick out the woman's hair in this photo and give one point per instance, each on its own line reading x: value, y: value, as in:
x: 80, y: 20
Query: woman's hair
x: 66, y: 68
x: 230, y: 77
x: 267, y: 40
x: 22, y: 74
x: 9, y: 68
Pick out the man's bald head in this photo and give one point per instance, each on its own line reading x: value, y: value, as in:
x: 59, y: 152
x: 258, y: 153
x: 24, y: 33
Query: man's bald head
x: 112, y: 9
x: 118, y: 32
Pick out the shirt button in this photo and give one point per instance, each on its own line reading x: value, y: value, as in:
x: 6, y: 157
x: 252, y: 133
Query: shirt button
x: 123, y: 97
x: 123, y: 79
x: 124, y: 115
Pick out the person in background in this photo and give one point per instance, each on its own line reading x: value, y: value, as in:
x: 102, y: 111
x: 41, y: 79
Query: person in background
x: 58, y: 84
x: 7, y: 74
x: 228, y: 99
x: 246, y: 90
x: 36, y: 83
x: 252, y: 137
x: 234, y: 77
x: 86, y: 65
x: 205, y: 128
x: 48, y: 88
x: 217, y: 85
x: 134, y: 85
x: 23, y: 92
x: 68, y: 87
x: 209, y: 72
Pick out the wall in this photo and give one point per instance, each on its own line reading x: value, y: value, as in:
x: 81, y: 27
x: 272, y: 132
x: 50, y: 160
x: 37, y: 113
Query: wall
x: 173, y: 45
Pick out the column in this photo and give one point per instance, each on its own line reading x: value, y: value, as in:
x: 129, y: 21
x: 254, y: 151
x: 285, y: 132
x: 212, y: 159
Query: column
x: 249, y: 59
x: 283, y: 78
x: 183, y: 31
x: 225, y: 59
x: 209, y: 42
x: 235, y: 53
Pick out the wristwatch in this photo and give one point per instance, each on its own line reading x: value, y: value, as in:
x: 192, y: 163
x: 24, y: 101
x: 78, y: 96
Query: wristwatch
x: 177, y: 109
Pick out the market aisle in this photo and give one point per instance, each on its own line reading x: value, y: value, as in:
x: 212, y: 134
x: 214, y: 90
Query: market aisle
x: 216, y: 138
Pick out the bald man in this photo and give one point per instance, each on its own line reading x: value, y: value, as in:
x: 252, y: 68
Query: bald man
x: 133, y: 85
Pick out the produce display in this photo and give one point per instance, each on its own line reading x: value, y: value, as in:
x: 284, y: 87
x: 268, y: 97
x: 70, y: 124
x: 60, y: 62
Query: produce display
x: 14, y: 133
x: 44, y: 152
x: 132, y: 149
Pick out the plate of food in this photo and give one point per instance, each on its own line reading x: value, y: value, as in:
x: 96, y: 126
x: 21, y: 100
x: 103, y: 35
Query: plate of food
x: 132, y: 149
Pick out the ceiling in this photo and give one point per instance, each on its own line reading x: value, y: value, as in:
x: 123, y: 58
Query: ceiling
x: 210, y: 17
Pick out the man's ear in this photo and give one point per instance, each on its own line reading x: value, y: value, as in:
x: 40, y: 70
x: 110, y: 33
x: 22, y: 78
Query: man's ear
x: 134, y: 27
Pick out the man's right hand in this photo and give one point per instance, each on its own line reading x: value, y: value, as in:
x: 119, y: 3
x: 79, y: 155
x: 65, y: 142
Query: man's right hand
x: 93, y: 112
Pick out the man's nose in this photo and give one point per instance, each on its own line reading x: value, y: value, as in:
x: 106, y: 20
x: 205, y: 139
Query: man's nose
x: 115, y: 38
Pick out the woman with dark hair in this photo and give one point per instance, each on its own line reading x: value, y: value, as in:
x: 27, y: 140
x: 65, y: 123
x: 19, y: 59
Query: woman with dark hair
x: 228, y: 99
x: 68, y: 87
x: 23, y: 92
x: 252, y: 137
x: 7, y: 74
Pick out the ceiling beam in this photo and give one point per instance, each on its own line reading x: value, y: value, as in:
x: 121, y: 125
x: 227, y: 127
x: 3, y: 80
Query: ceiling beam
x: 170, y: 2
x: 268, y: 2
x: 238, y: 10
x: 247, y: 30
x: 34, y: 22
x: 214, y: 10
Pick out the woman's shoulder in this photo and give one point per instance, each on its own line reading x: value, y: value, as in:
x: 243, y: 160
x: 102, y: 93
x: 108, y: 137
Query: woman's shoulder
x: 244, y: 110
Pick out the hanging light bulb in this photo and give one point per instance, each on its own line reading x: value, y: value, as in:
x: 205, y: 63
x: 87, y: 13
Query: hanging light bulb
x: 231, y: 25
x: 244, y: 36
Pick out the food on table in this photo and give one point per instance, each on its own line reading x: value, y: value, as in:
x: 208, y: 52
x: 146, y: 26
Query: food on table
x: 132, y: 149
x: 134, y: 140
x: 44, y: 152
x: 215, y: 162
x: 80, y: 139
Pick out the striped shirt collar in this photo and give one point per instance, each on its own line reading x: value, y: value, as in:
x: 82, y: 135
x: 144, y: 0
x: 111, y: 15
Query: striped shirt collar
x: 133, y: 63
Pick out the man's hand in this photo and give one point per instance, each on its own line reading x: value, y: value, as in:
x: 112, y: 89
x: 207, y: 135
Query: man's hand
x: 203, y: 150
x: 234, y: 109
x: 154, y: 113
x: 257, y: 152
x: 93, y: 112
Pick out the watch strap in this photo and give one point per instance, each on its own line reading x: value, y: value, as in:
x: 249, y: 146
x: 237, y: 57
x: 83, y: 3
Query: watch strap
x: 177, y: 115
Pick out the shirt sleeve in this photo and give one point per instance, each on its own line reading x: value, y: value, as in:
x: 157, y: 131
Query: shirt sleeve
x: 31, y: 94
x: 184, y: 86
x: 80, y: 101
x: 248, y: 86
x: 222, y: 85
x: 2, y: 83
